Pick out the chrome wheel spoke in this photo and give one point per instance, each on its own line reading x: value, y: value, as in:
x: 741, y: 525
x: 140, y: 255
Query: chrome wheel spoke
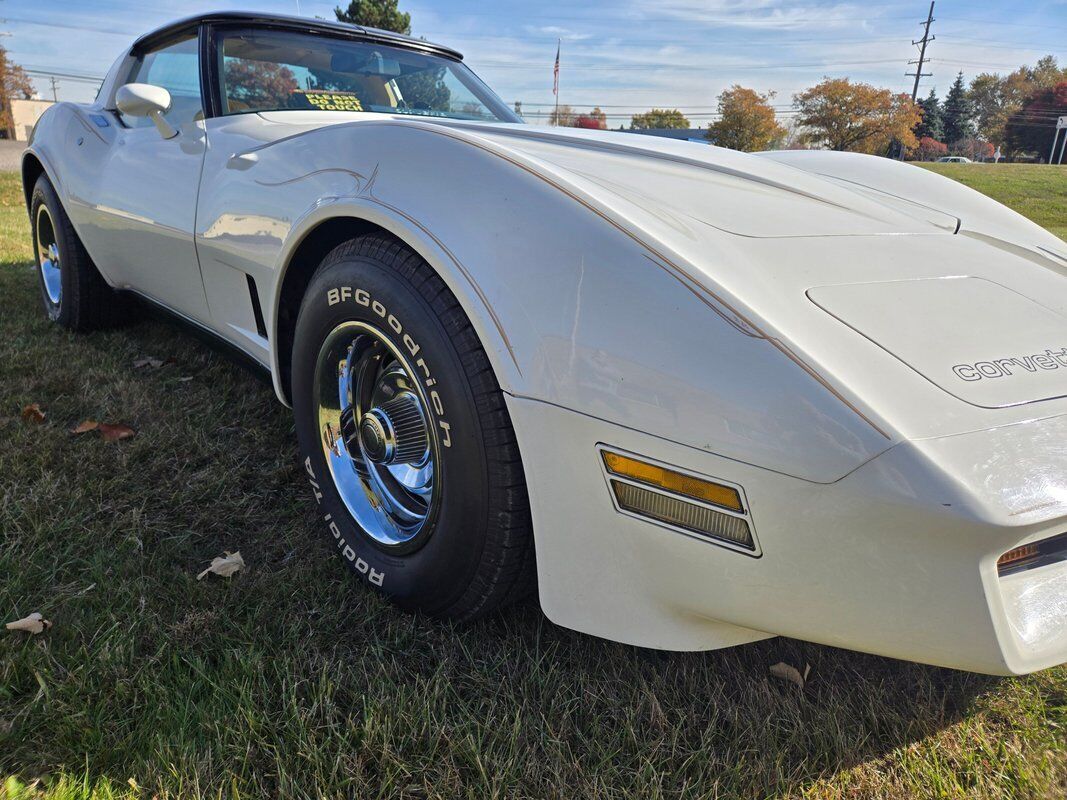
x: 48, y: 255
x: 376, y: 438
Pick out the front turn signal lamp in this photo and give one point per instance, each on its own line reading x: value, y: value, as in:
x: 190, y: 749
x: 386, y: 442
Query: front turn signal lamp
x: 686, y: 503
x: 1033, y: 555
x: 1017, y: 557
x: 670, y: 481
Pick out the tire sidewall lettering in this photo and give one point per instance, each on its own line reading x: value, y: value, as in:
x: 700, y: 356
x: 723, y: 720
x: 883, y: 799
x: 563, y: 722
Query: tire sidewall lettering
x: 409, y: 344
x: 341, y: 294
x: 362, y: 286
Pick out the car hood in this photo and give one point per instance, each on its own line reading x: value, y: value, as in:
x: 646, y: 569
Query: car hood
x: 796, y: 249
x: 821, y: 265
x: 683, y: 184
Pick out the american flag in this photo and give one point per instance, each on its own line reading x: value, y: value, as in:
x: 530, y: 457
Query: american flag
x: 555, y: 71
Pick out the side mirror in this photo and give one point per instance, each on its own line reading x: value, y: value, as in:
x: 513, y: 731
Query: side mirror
x: 145, y: 100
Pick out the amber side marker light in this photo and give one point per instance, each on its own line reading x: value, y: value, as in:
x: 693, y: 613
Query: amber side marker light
x: 1018, y: 557
x: 667, y: 479
x: 683, y: 502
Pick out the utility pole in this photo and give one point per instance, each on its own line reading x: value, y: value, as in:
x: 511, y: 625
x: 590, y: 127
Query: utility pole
x: 55, y: 83
x: 896, y: 149
x: 927, y: 38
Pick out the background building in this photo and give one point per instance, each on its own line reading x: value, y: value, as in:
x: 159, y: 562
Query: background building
x: 24, y: 115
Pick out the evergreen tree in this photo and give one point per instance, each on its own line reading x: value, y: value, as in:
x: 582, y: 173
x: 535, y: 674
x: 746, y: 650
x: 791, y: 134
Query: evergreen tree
x: 933, y: 124
x: 382, y: 14
x: 958, y: 113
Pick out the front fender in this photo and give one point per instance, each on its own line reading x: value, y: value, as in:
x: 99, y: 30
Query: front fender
x: 576, y: 305
x: 490, y: 328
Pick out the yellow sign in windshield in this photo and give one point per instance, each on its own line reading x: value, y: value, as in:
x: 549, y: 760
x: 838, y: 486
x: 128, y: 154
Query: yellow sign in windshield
x: 334, y: 101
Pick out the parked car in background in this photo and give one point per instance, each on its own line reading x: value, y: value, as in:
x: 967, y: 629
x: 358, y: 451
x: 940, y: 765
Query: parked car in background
x: 954, y: 160
x: 709, y: 396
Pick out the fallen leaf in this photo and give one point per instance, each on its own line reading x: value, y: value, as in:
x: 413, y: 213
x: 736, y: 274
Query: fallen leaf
x: 789, y: 673
x: 114, y: 432
x: 33, y: 413
x: 85, y: 426
x: 224, y: 566
x: 151, y: 361
x: 34, y: 623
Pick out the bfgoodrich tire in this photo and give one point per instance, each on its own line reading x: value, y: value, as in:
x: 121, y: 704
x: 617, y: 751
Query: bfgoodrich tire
x: 405, y: 436
x: 72, y: 290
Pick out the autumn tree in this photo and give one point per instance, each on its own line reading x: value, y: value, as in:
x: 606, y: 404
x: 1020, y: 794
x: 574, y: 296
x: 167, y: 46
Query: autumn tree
x: 1031, y: 128
x: 746, y: 121
x: 1046, y: 73
x: 841, y: 115
x: 659, y: 118
x: 562, y: 116
x: 994, y: 98
x: 382, y: 14
x: 595, y: 119
x: 974, y: 148
x: 988, y: 96
x: 16, y: 86
x: 929, y: 150
x: 258, y: 84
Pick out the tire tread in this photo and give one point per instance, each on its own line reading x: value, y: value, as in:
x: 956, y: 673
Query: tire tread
x: 507, y: 571
x: 88, y: 303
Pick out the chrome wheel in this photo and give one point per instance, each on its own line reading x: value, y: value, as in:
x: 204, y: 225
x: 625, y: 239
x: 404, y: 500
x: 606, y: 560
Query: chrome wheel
x: 48, y: 255
x: 376, y: 436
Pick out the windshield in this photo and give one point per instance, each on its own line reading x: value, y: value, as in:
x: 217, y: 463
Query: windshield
x: 271, y: 70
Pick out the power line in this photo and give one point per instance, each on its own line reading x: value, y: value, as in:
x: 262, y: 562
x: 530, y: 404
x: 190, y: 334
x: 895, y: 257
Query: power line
x: 698, y: 67
x: 67, y: 26
x: 47, y: 73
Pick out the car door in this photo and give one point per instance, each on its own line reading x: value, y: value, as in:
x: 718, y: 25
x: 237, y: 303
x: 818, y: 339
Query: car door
x: 145, y: 197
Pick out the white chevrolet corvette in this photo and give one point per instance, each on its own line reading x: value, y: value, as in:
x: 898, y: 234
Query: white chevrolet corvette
x: 705, y: 397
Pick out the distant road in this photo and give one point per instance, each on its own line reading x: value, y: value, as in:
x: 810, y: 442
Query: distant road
x: 10, y: 154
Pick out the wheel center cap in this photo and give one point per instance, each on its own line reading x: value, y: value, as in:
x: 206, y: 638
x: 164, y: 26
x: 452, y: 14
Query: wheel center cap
x: 392, y: 433
x: 377, y: 436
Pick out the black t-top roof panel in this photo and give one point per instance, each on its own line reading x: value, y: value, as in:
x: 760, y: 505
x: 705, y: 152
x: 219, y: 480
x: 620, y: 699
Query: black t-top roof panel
x: 320, y: 26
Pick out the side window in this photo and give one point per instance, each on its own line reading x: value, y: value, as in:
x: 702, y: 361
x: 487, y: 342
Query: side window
x: 176, y: 68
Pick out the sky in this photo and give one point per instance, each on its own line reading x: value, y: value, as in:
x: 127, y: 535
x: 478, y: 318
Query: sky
x: 623, y: 55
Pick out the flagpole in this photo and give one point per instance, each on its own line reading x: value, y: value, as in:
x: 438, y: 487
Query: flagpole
x: 559, y: 44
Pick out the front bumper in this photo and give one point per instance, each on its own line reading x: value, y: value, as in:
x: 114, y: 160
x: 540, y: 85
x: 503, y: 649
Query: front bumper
x: 898, y: 558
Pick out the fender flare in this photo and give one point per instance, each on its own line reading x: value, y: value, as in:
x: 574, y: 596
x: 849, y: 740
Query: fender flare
x: 476, y: 304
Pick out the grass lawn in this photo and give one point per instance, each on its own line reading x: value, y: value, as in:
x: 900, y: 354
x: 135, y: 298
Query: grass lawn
x: 1037, y: 191
x: 291, y: 680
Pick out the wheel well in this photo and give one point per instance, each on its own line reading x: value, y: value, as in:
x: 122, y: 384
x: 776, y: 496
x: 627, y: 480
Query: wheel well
x: 315, y: 246
x: 32, y: 169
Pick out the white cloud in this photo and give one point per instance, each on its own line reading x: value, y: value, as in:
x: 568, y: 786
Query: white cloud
x: 766, y: 14
x: 558, y: 32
